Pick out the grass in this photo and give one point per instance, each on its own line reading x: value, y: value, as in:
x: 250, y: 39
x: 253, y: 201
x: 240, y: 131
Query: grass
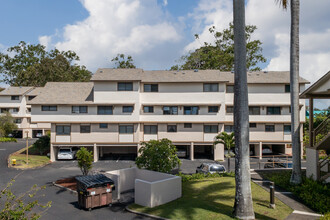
x: 34, y: 160
x: 8, y: 139
x: 213, y: 198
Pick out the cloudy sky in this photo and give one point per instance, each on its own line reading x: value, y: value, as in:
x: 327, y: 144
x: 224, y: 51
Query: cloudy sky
x: 157, y: 32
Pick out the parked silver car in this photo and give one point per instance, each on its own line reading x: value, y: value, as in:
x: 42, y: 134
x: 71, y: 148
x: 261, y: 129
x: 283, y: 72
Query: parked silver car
x: 66, y: 153
x: 210, y: 168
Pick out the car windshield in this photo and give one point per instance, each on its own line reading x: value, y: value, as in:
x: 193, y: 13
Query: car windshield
x: 216, y: 168
x: 65, y: 150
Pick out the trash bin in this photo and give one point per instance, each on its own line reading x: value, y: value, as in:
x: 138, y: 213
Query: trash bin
x: 94, y: 191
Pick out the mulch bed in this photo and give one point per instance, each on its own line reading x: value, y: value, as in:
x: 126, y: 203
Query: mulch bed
x: 70, y: 183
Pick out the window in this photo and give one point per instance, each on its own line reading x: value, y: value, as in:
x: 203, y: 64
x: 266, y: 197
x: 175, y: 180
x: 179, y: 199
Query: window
x: 85, y: 129
x: 127, y: 109
x: 15, y: 109
x: 148, y: 109
x: 150, y: 129
x: 273, y: 110
x: 210, y: 128
x: 104, y: 110
x: 103, y: 125
x: 31, y: 97
x: 125, y: 86
x: 14, y: 97
x: 18, y: 120
x: 126, y: 129
x: 229, y: 128
x: 287, y: 129
x: 211, y: 87
x: 190, y: 110
x: 254, y: 110
x: 171, y: 128
x: 4, y: 110
x: 170, y: 110
x: 63, y: 129
x: 213, y: 109
x: 230, y: 89
x: 150, y: 87
x: 79, y: 109
x: 253, y: 125
x: 187, y: 125
x: 270, y: 128
x: 287, y: 88
x: 230, y: 109
x: 48, y: 108
x: 28, y: 109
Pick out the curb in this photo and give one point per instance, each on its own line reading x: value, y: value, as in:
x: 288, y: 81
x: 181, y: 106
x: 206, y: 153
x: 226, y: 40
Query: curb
x: 145, y: 214
x: 62, y: 187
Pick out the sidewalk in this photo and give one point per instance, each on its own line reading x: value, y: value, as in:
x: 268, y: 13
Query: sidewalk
x: 300, y: 211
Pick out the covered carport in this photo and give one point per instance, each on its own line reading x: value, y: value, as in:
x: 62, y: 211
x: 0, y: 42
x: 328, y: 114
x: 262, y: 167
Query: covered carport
x: 55, y: 148
x: 117, y: 152
x: 203, y: 151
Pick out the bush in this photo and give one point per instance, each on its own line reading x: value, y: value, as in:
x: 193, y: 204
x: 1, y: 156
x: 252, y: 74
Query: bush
x: 42, y: 144
x: 7, y: 125
x: 85, y: 160
x: 314, y: 194
x: 158, y: 155
x: 200, y: 176
x: 7, y: 139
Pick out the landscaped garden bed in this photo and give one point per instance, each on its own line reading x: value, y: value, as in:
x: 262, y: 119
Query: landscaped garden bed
x: 70, y: 183
x: 213, y: 198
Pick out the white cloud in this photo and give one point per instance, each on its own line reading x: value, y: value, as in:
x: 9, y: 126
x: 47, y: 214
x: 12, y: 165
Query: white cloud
x: 45, y: 40
x: 135, y: 27
x: 165, y: 3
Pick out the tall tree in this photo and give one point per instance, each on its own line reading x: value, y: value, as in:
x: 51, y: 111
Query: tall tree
x: 294, y: 86
x: 7, y: 125
x: 122, y: 62
x: 228, y: 141
x: 220, y: 54
x: 243, y: 206
x: 31, y: 65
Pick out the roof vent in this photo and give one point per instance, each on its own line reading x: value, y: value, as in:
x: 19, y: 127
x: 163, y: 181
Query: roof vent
x: 101, y: 71
x: 265, y: 71
x: 195, y: 70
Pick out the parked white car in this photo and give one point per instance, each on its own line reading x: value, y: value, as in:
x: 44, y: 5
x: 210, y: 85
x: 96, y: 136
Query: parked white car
x: 67, y: 153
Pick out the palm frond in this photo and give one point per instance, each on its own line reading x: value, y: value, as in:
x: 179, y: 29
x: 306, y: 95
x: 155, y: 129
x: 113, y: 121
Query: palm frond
x: 283, y: 3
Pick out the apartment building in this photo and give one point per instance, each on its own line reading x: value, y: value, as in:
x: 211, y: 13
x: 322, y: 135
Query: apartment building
x: 14, y: 100
x: 120, y: 108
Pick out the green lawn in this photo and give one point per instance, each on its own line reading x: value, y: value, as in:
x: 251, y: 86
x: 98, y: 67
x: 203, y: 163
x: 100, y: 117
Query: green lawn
x: 34, y: 160
x: 213, y: 198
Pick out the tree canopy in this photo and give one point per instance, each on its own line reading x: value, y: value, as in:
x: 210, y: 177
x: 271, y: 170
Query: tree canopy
x: 7, y: 125
x: 31, y: 65
x: 220, y: 54
x: 123, y: 62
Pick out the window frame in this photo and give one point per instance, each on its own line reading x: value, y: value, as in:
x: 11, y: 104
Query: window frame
x: 252, y: 112
x: 82, y: 127
x: 285, y: 130
x: 14, y: 97
x: 211, y: 107
x: 125, y: 127
x: 171, y: 112
x: 191, y: 107
x: 210, y: 129
x: 267, y: 128
x: 106, y: 127
x: 104, y: 111
x: 185, y: 125
x: 252, y: 125
x: 231, y: 90
x: 15, y: 110
x: 147, y: 129
x: 63, y: 133
x: 211, y: 87
x: 273, y: 108
x: 125, y: 86
x: 153, y: 87
x: 148, y: 107
x: 230, y: 107
x: 18, y: 119
x: 130, y: 107
x: 287, y: 88
x: 79, y: 111
x: 49, y: 108
x: 174, y: 127
x: 229, y: 126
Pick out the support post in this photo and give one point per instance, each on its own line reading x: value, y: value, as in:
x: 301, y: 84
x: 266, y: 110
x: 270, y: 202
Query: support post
x: 272, y: 195
x: 52, y: 153
x: 27, y: 147
x: 191, y: 152
x: 95, y: 153
x: 311, y: 121
x: 138, y: 148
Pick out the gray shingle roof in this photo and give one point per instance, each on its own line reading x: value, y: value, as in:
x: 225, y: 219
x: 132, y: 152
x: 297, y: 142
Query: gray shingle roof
x: 16, y: 90
x: 155, y: 76
x: 36, y: 91
x: 65, y: 93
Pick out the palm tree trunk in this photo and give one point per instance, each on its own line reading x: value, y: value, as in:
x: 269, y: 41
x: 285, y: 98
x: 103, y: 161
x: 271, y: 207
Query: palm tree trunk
x: 228, y: 158
x: 294, y: 85
x: 243, y: 206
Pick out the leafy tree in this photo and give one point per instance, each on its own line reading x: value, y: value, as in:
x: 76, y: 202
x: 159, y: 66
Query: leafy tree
x: 243, y: 206
x: 158, y: 155
x: 85, y: 160
x: 122, y: 62
x: 220, y: 54
x: 7, y: 125
x: 32, y: 65
x: 15, y: 207
x: 42, y: 144
x: 228, y: 141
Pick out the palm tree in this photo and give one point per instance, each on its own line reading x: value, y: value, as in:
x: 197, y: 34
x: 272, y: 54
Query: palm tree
x: 243, y: 206
x: 294, y: 86
x: 228, y: 141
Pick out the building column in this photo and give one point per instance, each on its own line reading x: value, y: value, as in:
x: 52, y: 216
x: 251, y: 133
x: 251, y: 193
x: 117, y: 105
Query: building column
x: 258, y: 150
x: 312, y: 163
x: 219, y: 152
x: 191, y: 151
x: 95, y: 153
x: 52, y: 153
x: 43, y: 132
x: 101, y: 151
x: 138, y: 148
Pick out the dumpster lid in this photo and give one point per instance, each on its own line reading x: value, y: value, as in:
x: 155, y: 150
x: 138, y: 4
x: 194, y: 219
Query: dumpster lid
x: 94, y: 180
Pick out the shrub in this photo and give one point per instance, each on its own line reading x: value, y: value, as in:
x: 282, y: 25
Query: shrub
x: 314, y: 194
x: 200, y: 176
x: 85, y: 160
x: 42, y: 144
x: 7, y: 124
x: 7, y: 139
x: 158, y: 155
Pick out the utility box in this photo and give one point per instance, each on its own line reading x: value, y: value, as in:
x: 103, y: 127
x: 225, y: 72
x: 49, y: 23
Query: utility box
x: 94, y: 191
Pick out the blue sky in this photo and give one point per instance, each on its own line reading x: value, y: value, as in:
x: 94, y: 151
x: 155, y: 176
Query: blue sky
x: 157, y: 32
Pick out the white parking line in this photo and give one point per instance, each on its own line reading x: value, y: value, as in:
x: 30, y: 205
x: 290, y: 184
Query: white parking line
x: 284, y: 192
x: 2, y: 149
